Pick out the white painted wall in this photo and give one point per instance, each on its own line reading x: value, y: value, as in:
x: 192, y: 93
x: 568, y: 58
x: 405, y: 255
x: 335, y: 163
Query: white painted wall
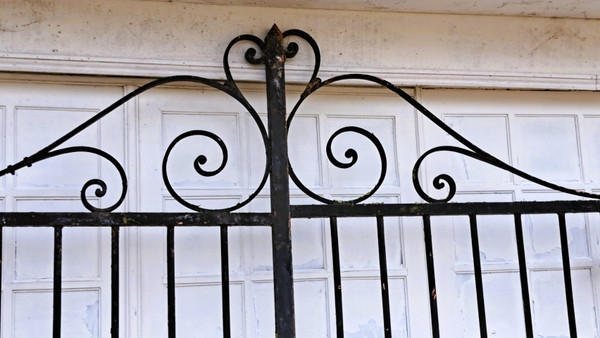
x: 152, y: 38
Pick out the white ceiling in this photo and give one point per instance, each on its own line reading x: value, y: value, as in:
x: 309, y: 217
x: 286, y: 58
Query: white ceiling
x: 544, y: 8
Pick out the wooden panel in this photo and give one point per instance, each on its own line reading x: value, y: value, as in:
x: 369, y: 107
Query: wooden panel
x: 504, y: 309
x: 489, y: 132
x: 548, y: 146
x: 225, y: 125
x: 81, y: 314
x: 496, y: 233
x: 547, y: 134
x: 36, y: 128
x: 549, y: 309
x: 199, y: 313
x: 305, y: 149
x: 362, y: 308
x: 590, y: 133
x: 35, y: 115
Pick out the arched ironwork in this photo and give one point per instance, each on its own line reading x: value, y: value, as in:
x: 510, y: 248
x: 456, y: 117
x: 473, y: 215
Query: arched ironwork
x: 272, y: 53
x: 229, y: 86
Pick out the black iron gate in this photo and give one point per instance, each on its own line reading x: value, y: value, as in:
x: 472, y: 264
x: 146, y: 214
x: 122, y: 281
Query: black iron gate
x: 272, y: 52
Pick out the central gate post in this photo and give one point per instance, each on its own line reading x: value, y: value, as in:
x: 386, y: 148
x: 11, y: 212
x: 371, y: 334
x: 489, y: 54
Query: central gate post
x: 274, y: 54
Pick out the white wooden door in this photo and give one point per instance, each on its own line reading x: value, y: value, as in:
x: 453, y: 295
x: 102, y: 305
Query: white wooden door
x: 552, y: 135
x: 31, y: 117
x: 166, y: 113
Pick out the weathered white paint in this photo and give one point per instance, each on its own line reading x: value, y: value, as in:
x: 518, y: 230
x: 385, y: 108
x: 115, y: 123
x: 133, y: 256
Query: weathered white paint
x: 147, y: 38
x: 28, y: 121
x: 547, y: 133
x: 559, y: 8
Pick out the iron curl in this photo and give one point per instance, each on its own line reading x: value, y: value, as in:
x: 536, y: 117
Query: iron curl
x: 198, y: 162
x: 440, y: 181
x: 102, y: 188
x: 352, y: 155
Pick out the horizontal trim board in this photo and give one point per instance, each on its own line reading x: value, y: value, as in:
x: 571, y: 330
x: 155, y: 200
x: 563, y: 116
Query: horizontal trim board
x: 400, y: 77
x: 513, y: 266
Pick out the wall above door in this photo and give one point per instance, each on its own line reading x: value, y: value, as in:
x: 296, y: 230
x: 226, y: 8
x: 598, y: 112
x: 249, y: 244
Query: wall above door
x: 561, y: 8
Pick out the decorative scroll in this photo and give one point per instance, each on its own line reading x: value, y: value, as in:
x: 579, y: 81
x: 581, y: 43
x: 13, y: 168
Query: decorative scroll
x: 229, y: 87
x: 440, y: 182
x: 255, y: 55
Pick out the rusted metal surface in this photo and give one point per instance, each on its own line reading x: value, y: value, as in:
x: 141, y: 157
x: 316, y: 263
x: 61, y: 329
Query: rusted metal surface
x: 57, y: 282
x: 114, y: 280
x: 564, y: 246
x: 134, y: 219
x: 523, y: 276
x: 225, y: 298
x: 443, y: 209
x: 337, y: 278
x: 478, y: 275
x: 171, y: 281
x: 275, y: 55
x: 433, y: 308
x: 383, y: 279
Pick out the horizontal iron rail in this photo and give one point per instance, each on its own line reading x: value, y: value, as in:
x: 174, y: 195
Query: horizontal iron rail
x: 443, y: 209
x: 87, y: 219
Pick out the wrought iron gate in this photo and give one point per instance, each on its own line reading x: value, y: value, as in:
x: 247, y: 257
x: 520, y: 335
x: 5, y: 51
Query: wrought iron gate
x: 273, y: 54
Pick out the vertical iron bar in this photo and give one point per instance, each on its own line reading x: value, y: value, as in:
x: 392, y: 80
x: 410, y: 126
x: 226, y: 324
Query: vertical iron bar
x: 337, y: 278
x: 57, y: 287
x: 564, y: 246
x: 523, y: 275
x: 435, y: 325
x: 1, y: 281
x: 385, y: 296
x: 225, y: 282
x: 171, y: 280
x: 114, y: 283
x: 478, y: 275
x: 274, y: 54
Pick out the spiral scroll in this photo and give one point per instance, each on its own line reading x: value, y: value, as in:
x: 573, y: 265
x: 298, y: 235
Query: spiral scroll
x: 197, y: 164
x: 440, y: 181
x: 229, y: 87
x: 313, y: 84
x: 102, y: 187
x: 353, y: 156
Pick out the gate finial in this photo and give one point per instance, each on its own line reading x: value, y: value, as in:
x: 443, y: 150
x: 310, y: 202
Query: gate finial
x: 275, y: 30
x: 274, y: 47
